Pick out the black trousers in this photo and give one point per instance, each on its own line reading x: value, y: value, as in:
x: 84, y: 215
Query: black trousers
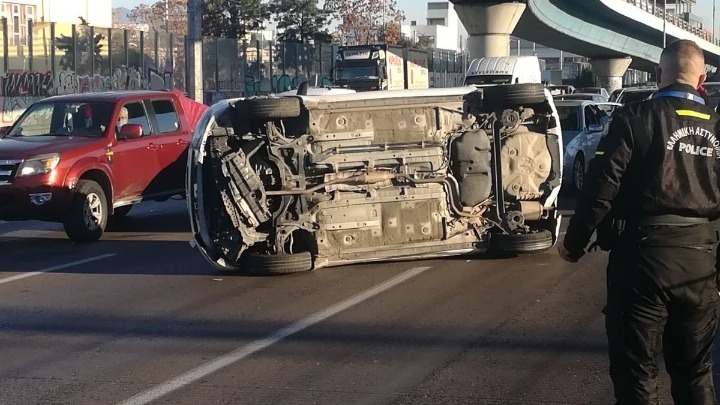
x: 661, y: 292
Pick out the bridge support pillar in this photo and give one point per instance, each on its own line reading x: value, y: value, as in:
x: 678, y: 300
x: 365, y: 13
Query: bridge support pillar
x: 489, y: 27
x: 610, y: 72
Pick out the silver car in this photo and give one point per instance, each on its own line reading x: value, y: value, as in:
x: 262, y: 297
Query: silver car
x: 288, y: 184
x: 583, y: 124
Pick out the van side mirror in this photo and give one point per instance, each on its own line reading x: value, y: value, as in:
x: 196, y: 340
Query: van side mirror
x: 595, y: 128
x: 131, y: 131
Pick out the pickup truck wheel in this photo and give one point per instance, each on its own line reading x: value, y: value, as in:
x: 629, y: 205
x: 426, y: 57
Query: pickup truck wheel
x: 272, y: 108
x: 88, y: 214
x: 522, y: 242
x: 278, y: 264
x: 510, y: 95
x: 120, y: 212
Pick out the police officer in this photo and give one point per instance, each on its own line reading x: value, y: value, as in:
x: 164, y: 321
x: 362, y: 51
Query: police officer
x: 654, y: 186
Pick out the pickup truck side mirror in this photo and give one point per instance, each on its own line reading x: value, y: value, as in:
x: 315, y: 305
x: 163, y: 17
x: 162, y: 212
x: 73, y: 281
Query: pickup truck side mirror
x: 131, y: 131
x: 4, y: 130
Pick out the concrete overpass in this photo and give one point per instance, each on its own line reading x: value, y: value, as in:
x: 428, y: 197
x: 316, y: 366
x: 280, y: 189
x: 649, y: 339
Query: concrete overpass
x: 614, y: 34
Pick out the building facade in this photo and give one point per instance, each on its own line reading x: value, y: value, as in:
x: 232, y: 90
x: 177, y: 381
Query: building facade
x: 443, y: 26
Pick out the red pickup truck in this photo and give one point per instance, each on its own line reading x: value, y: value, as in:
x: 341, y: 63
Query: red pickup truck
x: 79, y: 159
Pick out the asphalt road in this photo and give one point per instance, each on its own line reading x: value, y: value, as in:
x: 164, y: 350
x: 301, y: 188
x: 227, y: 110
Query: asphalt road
x: 139, y: 318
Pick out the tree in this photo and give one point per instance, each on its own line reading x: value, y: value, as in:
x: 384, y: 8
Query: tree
x: 586, y: 78
x: 301, y: 20
x: 421, y: 42
x: 158, y: 17
x: 233, y: 19
x: 367, y: 21
x: 83, y: 44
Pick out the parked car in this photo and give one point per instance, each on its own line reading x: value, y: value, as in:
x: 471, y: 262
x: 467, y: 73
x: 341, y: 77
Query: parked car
x: 594, y: 90
x: 581, y: 96
x: 583, y: 124
x: 287, y: 184
x: 609, y: 107
x: 632, y: 94
x: 713, y: 92
x: 78, y: 159
x: 559, y: 89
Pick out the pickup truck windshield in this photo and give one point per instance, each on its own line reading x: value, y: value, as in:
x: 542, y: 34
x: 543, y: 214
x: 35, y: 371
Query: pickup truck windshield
x: 72, y: 119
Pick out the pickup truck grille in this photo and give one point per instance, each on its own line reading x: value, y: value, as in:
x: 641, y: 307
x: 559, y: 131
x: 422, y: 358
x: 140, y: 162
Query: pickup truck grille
x: 8, y: 169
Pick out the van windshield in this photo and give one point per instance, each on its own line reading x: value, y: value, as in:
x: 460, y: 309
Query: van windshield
x: 488, y: 79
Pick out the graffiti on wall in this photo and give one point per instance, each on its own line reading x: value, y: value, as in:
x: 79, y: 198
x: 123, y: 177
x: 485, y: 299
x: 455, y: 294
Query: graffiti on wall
x: 122, y: 78
x: 20, y: 89
x: 12, y: 107
x: 26, y: 84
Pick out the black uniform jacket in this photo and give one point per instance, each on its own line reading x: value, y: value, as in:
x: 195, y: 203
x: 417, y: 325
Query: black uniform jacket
x: 660, y: 156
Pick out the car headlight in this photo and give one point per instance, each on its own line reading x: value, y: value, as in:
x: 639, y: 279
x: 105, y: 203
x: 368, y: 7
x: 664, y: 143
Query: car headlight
x: 41, y: 164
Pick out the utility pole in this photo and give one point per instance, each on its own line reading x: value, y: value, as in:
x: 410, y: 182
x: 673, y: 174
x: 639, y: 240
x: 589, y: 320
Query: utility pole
x: 194, y: 48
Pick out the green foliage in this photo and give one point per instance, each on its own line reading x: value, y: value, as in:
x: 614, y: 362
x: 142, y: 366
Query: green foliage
x: 424, y: 43
x: 586, y: 78
x: 65, y: 44
x: 233, y: 18
x: 301, y: 20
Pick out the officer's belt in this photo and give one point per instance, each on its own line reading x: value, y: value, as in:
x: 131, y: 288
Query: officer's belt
x: 669, y: 220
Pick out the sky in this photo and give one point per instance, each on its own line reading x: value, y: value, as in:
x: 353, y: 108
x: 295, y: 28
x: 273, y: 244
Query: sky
x: 703, y: 8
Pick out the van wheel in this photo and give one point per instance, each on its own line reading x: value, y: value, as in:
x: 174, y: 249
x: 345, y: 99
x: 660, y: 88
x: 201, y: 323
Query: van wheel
x: 271, y: 108
x: 511, y: 95
x: 88, y: 214
x: 522, y: 242
x: 287, y: 263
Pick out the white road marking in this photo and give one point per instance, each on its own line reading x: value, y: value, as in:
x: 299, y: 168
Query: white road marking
x: 260, y: 344
x: 55, y: 268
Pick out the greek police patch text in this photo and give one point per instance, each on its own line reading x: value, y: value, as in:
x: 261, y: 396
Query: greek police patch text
x: 682, y: 139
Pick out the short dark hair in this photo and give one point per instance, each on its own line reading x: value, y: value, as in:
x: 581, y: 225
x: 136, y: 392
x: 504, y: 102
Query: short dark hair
x: 683, y: 48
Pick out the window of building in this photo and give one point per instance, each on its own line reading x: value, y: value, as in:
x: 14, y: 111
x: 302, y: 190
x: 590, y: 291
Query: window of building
x: 438, y: 6
x: 18, y: 16
x: 435, y: 21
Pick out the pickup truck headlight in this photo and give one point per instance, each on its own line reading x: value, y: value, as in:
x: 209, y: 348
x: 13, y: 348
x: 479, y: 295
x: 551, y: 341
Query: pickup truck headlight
x: 41, y: 164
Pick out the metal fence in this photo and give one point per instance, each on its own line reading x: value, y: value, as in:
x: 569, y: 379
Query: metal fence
x: 50, y: 58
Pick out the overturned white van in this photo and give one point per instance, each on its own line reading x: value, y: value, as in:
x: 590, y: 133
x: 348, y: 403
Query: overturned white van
x: 287, y: 184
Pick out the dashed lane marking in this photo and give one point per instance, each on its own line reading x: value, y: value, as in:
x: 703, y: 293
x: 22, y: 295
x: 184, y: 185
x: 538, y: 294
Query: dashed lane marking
x: 54, y: 268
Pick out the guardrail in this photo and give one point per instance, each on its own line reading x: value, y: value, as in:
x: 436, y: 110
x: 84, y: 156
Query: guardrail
x: 674, y: 19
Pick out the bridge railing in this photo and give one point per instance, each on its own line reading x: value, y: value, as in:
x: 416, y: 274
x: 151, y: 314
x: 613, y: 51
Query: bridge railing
x: 674, y: 19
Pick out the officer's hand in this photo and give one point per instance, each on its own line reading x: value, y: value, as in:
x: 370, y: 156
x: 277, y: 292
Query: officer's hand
x: 564, y: 253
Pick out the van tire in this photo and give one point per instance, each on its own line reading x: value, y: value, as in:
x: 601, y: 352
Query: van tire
x: 271, y: 108
x: 519, y: 243
x: 287, y: 263
x: 511, y: 95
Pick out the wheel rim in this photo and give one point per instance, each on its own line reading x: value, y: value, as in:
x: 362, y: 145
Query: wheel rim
x: 578, y: 174
x: 93, y: 211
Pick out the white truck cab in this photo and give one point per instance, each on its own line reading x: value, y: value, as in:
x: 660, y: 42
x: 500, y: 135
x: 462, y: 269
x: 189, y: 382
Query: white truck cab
x: 503, y: 70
